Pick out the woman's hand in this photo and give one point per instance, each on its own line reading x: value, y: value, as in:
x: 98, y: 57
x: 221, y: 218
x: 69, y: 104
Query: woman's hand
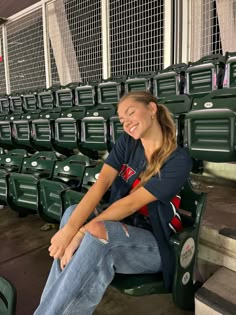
x: 71, y: 248
x: 60, y: 241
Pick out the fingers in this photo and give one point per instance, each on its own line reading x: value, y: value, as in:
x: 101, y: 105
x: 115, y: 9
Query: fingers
x: 55, y: 252
x: 65, y: 260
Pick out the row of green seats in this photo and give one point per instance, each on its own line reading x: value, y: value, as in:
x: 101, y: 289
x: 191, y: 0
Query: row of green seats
x: 34, y: 184
x: 205, y: 125
x: 195, y: 78
x: 89, y: 131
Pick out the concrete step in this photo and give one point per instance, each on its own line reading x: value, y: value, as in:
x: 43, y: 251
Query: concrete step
x: 218, y: 247
x: 218, y: 294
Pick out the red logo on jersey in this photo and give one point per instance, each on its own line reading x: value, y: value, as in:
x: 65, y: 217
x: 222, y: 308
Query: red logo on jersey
x: 126, y: 172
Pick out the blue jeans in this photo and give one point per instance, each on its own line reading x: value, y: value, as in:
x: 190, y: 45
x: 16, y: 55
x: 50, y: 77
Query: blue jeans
x: 79, y: 288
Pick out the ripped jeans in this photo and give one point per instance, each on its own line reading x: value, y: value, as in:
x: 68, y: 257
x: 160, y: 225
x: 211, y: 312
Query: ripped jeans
x: 79, y: 288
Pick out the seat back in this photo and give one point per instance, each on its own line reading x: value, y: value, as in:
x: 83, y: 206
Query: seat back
x: 4, y: 104
x: 64, y: 97
x: 170, y: 81
x: 6, y: 135
x: 21, y: 134
x: 46, y: 100
x: 67, y: 130
x: 86, y: 95
x: 16, y: 103
x: 110, y: 91
x: 116, y: 129
x: 179, y: 106
x: 8, y: 297
x: 30, y: 102
x: 210, y: 132
x: 139, y: 82
x: 95, y: 131
x: 201, y: 76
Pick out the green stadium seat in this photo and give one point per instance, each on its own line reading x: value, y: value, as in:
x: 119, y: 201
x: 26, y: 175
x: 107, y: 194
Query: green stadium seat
x: 169, y: 81
x: 67, y: 131
x: 205, y: 75
x: 4, y: 104
x: 42, y: 133
x: 46, y: 100
x: 71, y: 196
x: 183, y: 243
x: 6, y: 141
x: 9, y: 162
x: 64, y: 97
x: 95, y: 131
x: 139, y: 82
x: 23, y: 194
x: 116, y: 129
x: 16, y: 103
x: 30, y: 102
x: 210, y: 128
x: 86, y: 95
x: 8, y: 296
x: 109, y: 91
x: 179, y: 106
x: 230, y: 70
x: 67, y: 173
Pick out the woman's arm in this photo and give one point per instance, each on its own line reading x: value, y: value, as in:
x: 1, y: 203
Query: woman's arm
x: 125, y: 206
x: 63, y: 237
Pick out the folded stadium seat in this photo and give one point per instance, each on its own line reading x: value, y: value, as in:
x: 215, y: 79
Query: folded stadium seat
x: 142, y: 81
x: 16, y: 103
x: 86, y: 94
x: 23, y: 194
x: 30, y: 101
x: 46, y: 100
x: 6, y: 141
x: 9, y: 162
x: 170, y: 81
x: 67, y: 173
x: 67, y: 130
x: 116, y: 129
x: 72, y: 195
x: 210, y: 127
x: 4, y: 104
x: 95, y: 131
x: 205, y: 75
x: 110, y: 90
x: 8, y: 296
x: 185, y: 248
x: 179, y: 106
x: 21, y: 130
x: 64, y: 97
x: 230, y: 70
x: 42, y: 129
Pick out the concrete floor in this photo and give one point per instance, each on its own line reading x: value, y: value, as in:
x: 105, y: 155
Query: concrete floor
x: 24, y: 258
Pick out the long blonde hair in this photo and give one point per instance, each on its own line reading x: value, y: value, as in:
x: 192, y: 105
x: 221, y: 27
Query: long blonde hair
x: 168, y: 130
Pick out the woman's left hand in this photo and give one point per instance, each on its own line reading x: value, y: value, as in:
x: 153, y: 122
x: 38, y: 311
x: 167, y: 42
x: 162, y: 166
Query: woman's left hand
x: 71, y: 248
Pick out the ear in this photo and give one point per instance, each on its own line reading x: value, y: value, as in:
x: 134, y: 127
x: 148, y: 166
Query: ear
x: 153, y: 107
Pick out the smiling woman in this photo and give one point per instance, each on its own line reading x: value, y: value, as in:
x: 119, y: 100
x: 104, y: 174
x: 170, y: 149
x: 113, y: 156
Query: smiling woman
x: 145, y: 170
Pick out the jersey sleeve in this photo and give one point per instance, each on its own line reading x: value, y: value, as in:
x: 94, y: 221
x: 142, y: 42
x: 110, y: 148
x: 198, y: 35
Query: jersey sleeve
x: 116, y: 157
x: 173, y: 176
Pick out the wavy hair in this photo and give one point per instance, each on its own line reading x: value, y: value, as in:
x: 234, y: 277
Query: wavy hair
x: 166, y: 122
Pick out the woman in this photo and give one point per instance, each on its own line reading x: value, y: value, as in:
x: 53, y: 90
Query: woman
x: 146, y: 169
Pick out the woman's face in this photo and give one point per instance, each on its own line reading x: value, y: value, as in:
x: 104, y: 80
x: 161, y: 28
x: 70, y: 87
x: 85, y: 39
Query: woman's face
x: 137, y: 119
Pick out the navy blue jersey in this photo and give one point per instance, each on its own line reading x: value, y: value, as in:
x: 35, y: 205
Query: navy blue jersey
x: 128, y: 158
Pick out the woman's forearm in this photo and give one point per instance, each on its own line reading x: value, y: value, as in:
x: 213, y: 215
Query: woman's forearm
x: 86, y: 206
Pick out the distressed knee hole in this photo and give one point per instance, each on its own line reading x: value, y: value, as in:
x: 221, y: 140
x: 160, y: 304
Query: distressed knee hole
x: 98, y: 230
x: 125, y: 229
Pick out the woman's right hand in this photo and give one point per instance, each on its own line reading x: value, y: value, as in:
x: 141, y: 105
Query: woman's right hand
x: 60, y: 241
